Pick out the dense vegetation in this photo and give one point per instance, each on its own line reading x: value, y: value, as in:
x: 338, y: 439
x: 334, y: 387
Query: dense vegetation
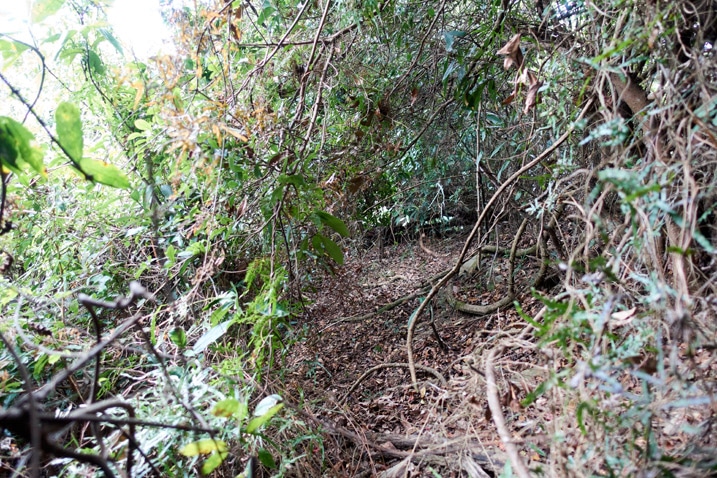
x: 212, y: 188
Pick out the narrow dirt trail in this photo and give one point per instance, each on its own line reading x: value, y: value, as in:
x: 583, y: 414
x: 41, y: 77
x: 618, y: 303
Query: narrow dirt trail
x: 351, y: 368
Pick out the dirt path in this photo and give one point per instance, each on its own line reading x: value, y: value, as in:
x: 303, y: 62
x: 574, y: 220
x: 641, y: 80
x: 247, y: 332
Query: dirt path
x: 383, y: 426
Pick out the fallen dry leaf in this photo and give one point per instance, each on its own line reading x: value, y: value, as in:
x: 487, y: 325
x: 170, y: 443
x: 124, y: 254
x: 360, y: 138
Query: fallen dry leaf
x: 623, y: 314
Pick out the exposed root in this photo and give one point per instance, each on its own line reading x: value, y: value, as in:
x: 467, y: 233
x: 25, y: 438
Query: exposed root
x: 420, y: 448
x: 505, y: 301
x: 379, y: 311
x: 503, y: 187
x: 427, y: 250
x: 368, y: 372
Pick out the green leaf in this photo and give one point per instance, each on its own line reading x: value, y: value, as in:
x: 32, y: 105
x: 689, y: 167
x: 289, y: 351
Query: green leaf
x: 333, y: 222
x: 40, y: 364
x: 142, y: 125
x: 258, y: 422
x: 103, y: 173
x: 32, y: 155
x: 204, y: 446
x: 333, y: 250
x: 703, y: 241
x: 450, y: 37
x: 324, y: 245
x: 171, y: 254
x: 41, y: 9
x: 582, y: 408
x: 226, y: 408
x: 179, y: 337
x: 11, y: 50
x: 69, y: 130
x: 535, y: 394
x: 95, y: 63
x: 214, y: 460
x: 211, y: 336
x: 110, y: 38
x: 266, y: 459
x: 8, y: 148
x: 295, y: 179
x: 16, y: 148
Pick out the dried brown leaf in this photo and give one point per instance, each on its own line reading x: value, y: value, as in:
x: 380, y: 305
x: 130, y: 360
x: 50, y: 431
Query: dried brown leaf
x: 531, y: 97
x: 512, y: 52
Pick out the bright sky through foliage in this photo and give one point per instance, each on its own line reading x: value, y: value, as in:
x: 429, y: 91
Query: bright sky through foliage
x: 12, y: 15
x: 139, y: 26
x: 136, y: 23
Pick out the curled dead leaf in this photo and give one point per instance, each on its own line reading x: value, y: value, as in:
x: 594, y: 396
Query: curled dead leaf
x: 242, y: 208
x: 623, y: 314
x: 531, y: 97
x: 414, y: 95
x: 509, y: 99
x: 513, y: 55
x: 621, y: 318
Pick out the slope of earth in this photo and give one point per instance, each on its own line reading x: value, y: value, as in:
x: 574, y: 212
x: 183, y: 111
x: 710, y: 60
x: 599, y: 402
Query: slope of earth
x: 350, y: 374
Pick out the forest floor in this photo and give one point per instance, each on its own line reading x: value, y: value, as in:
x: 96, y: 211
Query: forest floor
x: 378, y: 424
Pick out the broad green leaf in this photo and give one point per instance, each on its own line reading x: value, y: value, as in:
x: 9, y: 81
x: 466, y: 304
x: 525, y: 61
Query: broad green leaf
x: 258, y: 422
x: 295, y: 179
x: 142, y: 125
x: 226, y: 408
x: 69, y: 130
x: 110, y: 38
x: 211, y: 336
x: 204, y: 446
x: 333, y: 222
x: 213, y: 461
x: 16, y: 149
x: 450, y: 38
x: 171, y: 254
x: 95, y: 63
x: 266, y: 459
x: 11, y: 50
x: 8, y: 148
x: 40, y: 364
x: 333, y: 250
x: 179, y: 337
x: 41, y: 9
x: 103, y: 173
x: 30, y: 154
